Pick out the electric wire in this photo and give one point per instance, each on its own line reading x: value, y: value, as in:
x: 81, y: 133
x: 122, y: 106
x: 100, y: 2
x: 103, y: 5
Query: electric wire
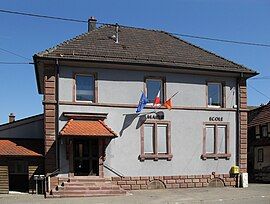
x: 13, y: 63
x: 13, y: 53
x: 259, y: 91
x: 260, y: 78
x: 42, y: 16
x: 102, y: 23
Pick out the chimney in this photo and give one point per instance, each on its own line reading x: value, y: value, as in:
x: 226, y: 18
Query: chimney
x: 11, y: 118
x: 92, y: 23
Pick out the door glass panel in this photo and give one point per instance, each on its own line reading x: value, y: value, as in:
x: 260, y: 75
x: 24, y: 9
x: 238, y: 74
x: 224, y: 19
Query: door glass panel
x: 80, y: 150
x: 86, y: 157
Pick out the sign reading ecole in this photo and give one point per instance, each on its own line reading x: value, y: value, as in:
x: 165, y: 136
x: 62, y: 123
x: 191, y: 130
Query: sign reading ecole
x: 216, y: 119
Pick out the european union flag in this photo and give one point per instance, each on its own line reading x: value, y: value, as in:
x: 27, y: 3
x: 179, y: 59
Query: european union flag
x: 142, y: 103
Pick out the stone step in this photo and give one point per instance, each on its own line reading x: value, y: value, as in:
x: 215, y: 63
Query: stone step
x: 105, y: 187
x: 86, y: 186
x: 85, y: 195
x: 78, y: 193
x: 88, y: 179
x: 79, y: 184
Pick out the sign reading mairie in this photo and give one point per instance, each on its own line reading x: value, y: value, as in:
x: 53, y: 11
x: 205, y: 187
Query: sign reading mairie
x: 157, y: 115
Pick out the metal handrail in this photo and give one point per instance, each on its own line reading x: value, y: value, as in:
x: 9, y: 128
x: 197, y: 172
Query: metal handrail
x: 47, y: 178
x: 53, y: 173
x: 113, y: 170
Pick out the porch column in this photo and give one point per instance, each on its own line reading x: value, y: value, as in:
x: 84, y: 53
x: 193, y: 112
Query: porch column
x: 71, y: 163
x: 100, y: 157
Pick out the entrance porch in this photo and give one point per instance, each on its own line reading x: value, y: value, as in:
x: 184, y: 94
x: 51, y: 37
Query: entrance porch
x: 86, y: 142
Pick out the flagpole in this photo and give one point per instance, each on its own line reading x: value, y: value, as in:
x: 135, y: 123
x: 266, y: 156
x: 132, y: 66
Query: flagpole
x: 174, y: 95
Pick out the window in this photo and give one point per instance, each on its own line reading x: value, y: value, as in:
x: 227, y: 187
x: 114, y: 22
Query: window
x: 85, y: 88
x: 216, y: 141
x: 260, y: 155
x: 268, y: 128
x: 18, y: 167
x: 257, y: 131
x: 264, y: 131
x: 215, y: 94
x: 155, y: 140
x: 152, y: 88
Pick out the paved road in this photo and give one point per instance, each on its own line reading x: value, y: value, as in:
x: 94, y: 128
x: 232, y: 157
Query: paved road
x: 256, y: 193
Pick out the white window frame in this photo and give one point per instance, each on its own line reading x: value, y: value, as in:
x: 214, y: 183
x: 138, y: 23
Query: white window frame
x: 94, y: 87
x: 221, y: 94
x: 162, y: 92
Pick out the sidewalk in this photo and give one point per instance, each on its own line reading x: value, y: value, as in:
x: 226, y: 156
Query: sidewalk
x: 256, y: 193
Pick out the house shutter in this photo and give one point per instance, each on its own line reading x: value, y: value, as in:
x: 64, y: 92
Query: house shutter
x: 4, y: 187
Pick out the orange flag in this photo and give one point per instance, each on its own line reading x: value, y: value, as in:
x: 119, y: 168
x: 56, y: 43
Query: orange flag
x: 168, y: 104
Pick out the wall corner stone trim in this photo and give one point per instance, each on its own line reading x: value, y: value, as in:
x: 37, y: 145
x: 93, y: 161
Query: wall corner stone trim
x: 49, y: 119
x: 243, y: 127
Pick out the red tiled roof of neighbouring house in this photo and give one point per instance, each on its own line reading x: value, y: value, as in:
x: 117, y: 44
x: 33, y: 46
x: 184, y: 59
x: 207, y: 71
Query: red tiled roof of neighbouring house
x: 13, y: 148
x: 259, y: 116
x: 91, y: 128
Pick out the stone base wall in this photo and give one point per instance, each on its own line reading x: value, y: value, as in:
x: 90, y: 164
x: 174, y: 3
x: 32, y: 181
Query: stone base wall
x: 172, y: 182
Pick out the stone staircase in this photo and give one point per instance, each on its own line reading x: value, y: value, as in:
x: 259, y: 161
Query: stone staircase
x: 86, y: 187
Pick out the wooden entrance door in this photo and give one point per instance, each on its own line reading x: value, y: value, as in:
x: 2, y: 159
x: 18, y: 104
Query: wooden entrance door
x: 85, y: 158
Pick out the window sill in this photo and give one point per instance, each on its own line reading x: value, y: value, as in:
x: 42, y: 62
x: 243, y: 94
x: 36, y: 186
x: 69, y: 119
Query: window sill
x: 213, y: 106
x: 78, y: 101
x: 155, y: 157
x: 215, y: 156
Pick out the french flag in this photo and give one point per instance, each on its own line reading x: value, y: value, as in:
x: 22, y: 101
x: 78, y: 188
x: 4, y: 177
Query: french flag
x: 157, y: 99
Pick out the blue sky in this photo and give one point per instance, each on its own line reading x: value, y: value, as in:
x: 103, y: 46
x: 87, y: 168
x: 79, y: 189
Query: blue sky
x: 227, y: 19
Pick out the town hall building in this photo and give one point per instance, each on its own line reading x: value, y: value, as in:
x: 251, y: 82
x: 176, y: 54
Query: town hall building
x: 92, y: 85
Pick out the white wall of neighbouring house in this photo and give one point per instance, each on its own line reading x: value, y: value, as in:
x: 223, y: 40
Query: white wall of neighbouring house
x: 25, y: 130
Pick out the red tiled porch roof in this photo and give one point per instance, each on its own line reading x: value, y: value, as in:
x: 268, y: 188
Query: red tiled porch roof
x: 11, y: 148
x: 87, y: 128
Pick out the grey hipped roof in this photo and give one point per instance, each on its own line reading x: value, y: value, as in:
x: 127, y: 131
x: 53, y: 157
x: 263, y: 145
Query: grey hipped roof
x: 139, y: 46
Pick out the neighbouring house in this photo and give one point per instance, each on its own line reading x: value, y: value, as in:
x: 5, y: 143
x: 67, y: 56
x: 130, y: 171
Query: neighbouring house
x: 93, y: 135
x: 259, y: 143
x: 21, y: 153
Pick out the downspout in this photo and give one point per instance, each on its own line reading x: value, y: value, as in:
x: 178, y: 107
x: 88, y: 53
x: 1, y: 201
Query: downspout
x: 57, y: 114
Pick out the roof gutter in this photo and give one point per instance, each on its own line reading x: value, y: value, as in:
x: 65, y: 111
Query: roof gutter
x: 246, y: 75
x: 36, y: 73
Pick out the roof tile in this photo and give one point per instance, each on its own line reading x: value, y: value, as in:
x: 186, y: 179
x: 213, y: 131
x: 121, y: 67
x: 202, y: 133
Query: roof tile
x: 140, y: 46
x: 259, y: 116
x: 91, y: 128
x: 13, y: 148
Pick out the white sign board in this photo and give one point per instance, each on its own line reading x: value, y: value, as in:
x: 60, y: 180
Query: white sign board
x: 244, y: 180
